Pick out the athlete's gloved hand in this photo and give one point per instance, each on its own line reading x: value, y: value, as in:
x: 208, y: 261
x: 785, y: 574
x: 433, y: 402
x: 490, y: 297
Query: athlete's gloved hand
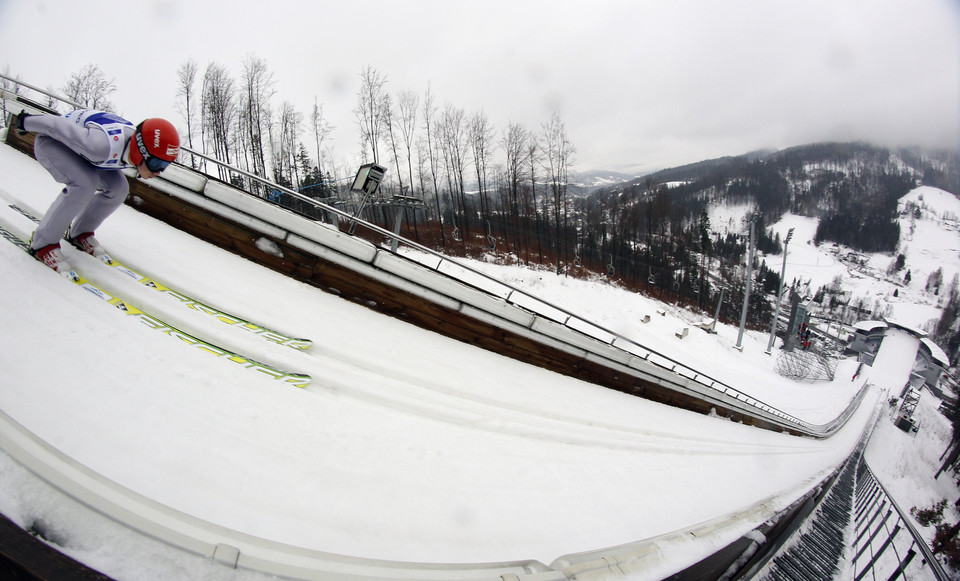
x: 18, y: 122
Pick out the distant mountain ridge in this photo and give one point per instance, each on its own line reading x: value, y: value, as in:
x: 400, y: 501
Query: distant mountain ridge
x: 852, y: 188
x: 940, y: 168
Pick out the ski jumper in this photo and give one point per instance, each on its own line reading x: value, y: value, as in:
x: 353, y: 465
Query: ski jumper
x: 84, y: 150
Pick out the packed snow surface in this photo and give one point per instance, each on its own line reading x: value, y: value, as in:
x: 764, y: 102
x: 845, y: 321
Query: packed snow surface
x: 406, y: 446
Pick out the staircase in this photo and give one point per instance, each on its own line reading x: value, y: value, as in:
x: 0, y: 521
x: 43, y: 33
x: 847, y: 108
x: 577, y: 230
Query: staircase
x: 817, y: 553
x: 859, y: 533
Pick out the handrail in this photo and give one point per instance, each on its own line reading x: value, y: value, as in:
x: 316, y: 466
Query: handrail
x: 928, y: 556
x: 678, y: 368
x: 61, y: 98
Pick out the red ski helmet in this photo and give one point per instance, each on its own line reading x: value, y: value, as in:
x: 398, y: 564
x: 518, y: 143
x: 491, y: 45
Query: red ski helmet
x: 155, y: 142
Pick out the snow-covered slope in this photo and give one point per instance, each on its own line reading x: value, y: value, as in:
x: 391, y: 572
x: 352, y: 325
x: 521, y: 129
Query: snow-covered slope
x: 929, y: 240
x: 407, y: 446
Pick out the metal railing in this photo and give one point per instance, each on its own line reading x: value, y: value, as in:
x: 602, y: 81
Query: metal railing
x: 886, y: 543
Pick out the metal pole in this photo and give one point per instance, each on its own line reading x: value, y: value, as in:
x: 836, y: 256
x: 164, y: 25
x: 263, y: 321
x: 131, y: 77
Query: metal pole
x: 716, y: 314
x: 746, y: 292
x: 783, y: 272
x: 396, y: 228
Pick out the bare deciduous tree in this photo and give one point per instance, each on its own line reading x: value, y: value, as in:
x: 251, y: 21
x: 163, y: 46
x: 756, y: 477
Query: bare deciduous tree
x: 391, y: 125
x: 453, y: 143
x: 557, y: 159
x: 407, y: 104
x: 372, y: 109
x: 218, y: 111
x: 186, y: 78
x: 481, y: 138
x: 255, y: 106
x: 514, y: 143
x: 320, y: 128
x: 429, y: 139
x: 90, y: 88
x: 286, y: 171
x: 533, y: 162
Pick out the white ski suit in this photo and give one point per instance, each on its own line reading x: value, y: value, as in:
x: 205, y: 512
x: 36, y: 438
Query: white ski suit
x: 84, y: 150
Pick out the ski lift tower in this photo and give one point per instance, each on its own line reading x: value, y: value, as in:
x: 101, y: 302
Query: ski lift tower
x: 399, y: 202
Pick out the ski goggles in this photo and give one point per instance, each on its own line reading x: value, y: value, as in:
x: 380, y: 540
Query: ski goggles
x: 155, y: 164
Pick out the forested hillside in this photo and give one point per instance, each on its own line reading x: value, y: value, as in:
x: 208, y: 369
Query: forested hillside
x: 654, y: 231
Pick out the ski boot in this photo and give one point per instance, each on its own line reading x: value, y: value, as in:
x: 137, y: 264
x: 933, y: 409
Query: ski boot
x: 53, y: 257
x: 87, y: 243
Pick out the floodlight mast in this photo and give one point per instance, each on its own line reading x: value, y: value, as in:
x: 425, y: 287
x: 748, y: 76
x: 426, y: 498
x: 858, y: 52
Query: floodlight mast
x: 746, y: 293
x: 776, y: 316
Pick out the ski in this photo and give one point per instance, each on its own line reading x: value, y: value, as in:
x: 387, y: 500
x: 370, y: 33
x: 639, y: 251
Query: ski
x: 295, y: 379
x: 191, y: 303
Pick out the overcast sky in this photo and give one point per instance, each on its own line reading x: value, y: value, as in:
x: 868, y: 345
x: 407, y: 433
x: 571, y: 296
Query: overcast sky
x: 640, y: 85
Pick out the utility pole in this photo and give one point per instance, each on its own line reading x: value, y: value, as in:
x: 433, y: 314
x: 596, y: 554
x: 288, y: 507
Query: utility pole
x: 783, y: 272
x: 746, y: 291
x: 716, y: 314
